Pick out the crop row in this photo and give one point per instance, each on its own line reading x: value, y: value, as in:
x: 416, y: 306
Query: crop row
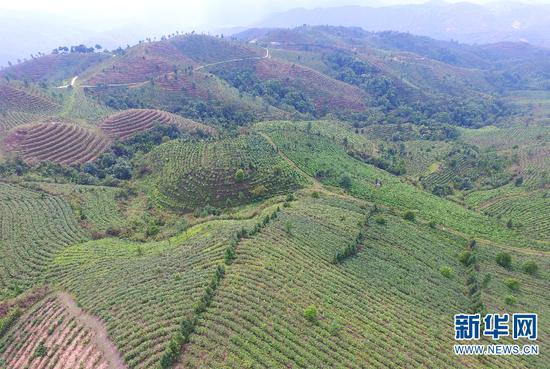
x: 33, y: 227
x: 128, y: 122
x: 390, y: 295
x: 141, y: 291
x: 329, y: 162
x: 57, y: 142
x: 11, y: 119
x: 16, y: 99
x: 220, y: 173
x: 48, y: 336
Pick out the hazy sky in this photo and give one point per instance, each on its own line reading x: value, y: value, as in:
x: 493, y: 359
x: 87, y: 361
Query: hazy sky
x: 106, y: 14
x: 28, y: 26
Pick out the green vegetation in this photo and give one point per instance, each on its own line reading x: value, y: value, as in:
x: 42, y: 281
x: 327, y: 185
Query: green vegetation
x: 269, y: 239
x: 504, y: 259
x: 35, y: 226
x: 327, y: 161
x: 224, y: 173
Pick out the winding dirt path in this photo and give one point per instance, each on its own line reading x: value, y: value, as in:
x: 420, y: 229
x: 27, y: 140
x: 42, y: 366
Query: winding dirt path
x: 135, y: 84
x: 266, y: 56
x: 71, y: 84
x: 101, y: 338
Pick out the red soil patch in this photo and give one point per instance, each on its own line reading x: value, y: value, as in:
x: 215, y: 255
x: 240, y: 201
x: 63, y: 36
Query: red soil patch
x: 128, y: 122
x: 18, y: 99
x: 57, y: 334
x: 54, y: 65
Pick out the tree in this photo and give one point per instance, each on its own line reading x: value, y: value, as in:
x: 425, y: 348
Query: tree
x: 288, y: 227
x: 345, y: 181
x: 409, y: 215
x: 530, y: 267
x: 310, y: 313
x: 122, y: 169
x: 446, y: 271
x: 504, y: 259
x: 239, y: 175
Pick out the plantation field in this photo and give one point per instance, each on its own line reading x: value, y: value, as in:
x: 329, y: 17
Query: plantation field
x: 126, y: 123
x: 529, y: 295
x: 223, y: 173
x: 143, y: 291
x: 96, y: 207
x: 307, y: 198
x: 34, y: 226
x: 366, y: 306
x: 56, y: 142
x: 55, y: 67
x: 16, y: 98
x: 49, y: 335
x: 328, y: 162
x: 536, y: 101
x: 80, y: 107
x: 527, y: 210
x: 11, y: 119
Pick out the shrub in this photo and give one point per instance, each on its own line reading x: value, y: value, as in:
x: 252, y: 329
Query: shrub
x: 466, y: 257
x: 152, y: 230
x: 409, y: 215
x: 345, y: 181
x: 432, y: 224
x: 380, y: 220
x: 41, y: 350
x: 258, y: 190
x: 509, y: 224
x: 310, y: 313
x: 530, y: 267
x: 446, y: 271
x: 513, y: 284
x: 510, y: 300
x: 315, y: 195
x: 288, y: 227
x: 504, y: 259
x: 239, y: 175
x: 486, y: 280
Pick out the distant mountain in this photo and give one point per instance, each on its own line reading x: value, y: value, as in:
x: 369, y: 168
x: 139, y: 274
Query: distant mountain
x: 464, y: 22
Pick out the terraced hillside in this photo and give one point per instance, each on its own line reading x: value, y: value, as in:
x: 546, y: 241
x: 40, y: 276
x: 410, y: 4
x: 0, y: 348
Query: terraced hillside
x: 126, y: 123
x: 257, y: 318
x: 16, y: 98
x: 523, y: 210
x: 344, y: 208
x: 223, y: 173
x: 52, y: 335
x: 54, y: 67
x: 328, y: 161
x: 34, y: 226
x: 56, y: 142
x: 12, y: 119
x: 144, y: 292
